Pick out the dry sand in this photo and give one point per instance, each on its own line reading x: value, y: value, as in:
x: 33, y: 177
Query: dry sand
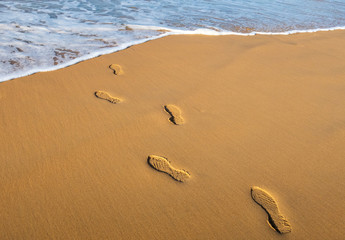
x: 265, y: 111
x: 175, y: 114
x: 164, y: 165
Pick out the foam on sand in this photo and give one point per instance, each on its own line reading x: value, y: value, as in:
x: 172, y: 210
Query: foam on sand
x: 116, y: 68
x: 106, y: 96
x: 277, y: 221
x: 163, y: 165
x: 29, y: 69
x: 175, y: 114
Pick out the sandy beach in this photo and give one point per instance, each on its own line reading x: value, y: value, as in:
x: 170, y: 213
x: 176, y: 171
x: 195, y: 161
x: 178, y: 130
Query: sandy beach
x: 194, y: 138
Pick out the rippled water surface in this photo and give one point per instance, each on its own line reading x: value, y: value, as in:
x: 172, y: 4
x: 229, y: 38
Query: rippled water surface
x: 43, y: 35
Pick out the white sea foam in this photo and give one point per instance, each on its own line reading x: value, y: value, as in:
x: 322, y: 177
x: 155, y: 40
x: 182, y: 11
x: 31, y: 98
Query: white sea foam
x: 39, y: 36
x: 76, y: 60
x: 168, y: 31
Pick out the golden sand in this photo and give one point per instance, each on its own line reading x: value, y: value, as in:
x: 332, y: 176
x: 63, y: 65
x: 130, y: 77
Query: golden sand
x: 117, y: 69
x: 264, y: 111
x: 276, y: 220
x: 175, y: 114
x: 106, y: 96
x: 163, y: 165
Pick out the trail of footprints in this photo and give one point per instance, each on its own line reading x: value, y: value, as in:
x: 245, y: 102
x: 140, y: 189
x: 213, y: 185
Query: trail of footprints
x: 275, y: 219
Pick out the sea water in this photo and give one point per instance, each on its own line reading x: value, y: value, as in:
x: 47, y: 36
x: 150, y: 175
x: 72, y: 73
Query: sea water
x: 42, y: 35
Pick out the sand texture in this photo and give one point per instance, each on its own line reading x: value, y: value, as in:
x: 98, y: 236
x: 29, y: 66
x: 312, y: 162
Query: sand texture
x: 117, y: 69
x: 175, y: 114
x: 106, y: 96
x: 265, y: 111
x: 163, y: 165
x: 276, y: 220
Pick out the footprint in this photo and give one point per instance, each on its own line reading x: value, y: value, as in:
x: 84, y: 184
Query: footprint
x: 175, y: 114
x: 116, y: 68
x: 277, y: 221
x: 163, y: 165
x: 106, y: 96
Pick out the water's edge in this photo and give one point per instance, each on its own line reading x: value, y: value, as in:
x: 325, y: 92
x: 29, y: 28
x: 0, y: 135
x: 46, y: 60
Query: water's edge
x: 168, y: 32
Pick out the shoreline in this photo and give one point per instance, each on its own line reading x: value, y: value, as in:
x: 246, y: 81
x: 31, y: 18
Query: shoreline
x: 184, y: 137
x: 170, y: 32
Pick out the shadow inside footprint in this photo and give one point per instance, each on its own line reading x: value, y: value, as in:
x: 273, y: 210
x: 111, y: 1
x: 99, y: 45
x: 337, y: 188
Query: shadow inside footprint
x: 116, y: 68
x: 277, y: 221
x: 106, y: 96
x: 163, y: 165
x: 175, y: 114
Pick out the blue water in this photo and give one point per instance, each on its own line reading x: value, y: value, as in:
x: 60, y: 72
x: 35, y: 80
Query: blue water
x: 45, y: 35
